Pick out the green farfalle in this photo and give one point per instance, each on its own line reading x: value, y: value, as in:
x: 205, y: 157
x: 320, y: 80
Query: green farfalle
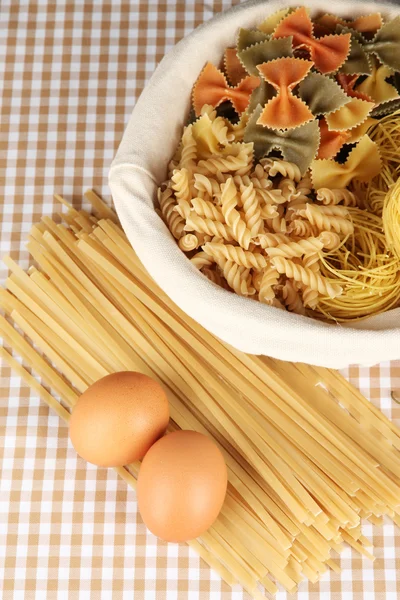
x: 386, y: 108
x: 249, y: 37
x: 261, y: 95
x: 357, y: 61
x: 299, y: 145
x: 263, y: 52
x: 322, y: 94
x: 386, y: 44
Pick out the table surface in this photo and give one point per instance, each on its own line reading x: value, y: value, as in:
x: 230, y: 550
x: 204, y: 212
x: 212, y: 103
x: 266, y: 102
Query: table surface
x: 71, y: 72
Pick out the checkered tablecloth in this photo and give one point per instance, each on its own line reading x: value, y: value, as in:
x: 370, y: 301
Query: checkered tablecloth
x: 70, y: 75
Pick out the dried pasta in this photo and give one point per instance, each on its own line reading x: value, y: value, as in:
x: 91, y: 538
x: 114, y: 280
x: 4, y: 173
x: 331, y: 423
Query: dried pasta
x: 303, y: 166
x: 304, y: 462
x: 264, y: 231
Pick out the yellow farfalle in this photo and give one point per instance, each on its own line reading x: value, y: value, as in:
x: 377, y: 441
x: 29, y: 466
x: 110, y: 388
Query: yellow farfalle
x: 269, y: 24
x: 363, y: 163
x: 376, y: 86
x: 350, y: 115
x: 357, y: 132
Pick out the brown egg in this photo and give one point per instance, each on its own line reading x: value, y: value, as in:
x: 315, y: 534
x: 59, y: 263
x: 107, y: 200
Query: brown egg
x: 118, y: 418
x: 181, y: 486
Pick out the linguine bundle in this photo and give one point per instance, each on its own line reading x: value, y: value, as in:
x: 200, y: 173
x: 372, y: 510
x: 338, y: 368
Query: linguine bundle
x: 306, y: 462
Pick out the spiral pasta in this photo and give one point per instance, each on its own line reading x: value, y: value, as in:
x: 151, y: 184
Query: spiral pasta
x: 167, y: 204
x: 237, y: 277
x: 260, y: 179
x: 271, y: 196
x: 202, y: 183
x: 209, y: 110
x: 300, y: 228
x: 238, y: 226
x: 329, y: 239
x: 292, y: 299
x: 304, y: 186
x: 220, y: 131
x: 277, y: 223
x: 311, y: 261
x: 201, y: 260
x: 269, y: 278
x: 181, y: 186
x: 189, y: 150
x: 251, y: 209
x: 306, y: 276
x: 296, y: 249
x: 281, y: 167
x: 239, y: 127
x: 269, y: 211
x: 188, y: 242
x: 271, y: 240
x: 207, y: 210
x: 335, y: 196
x: 310, y: 297
x: 241, y: 164
x: 289, y: 190
x: 244, y: 258
x: 327, y: 222
x: 209, y: 227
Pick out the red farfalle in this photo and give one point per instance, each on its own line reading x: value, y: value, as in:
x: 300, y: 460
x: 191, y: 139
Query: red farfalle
x: 331, y: 141
x: 212, y: 88
x: 347, y: 82
x: 234, y: 69
x: 285, y: 110
x: 328, y: 52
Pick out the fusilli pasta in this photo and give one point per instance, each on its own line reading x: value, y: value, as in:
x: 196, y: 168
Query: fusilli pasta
x: 296, y: 249
x: 188, y: 242
x: 209, y: 227
x: 189, y: 150
x: 244, y: 258
x: 181, y: 186
x: 167, y: 204
x: 206, y: 209
x: 281, y: 167
x: 327, y: 196
x: 269, y: 278
x: 292, y: 299
x: 229, y: 200
x: 326, y: 222
x: 307, y: 277
x: 201, y: 260
x: 251, y: 209
x: 238, y: 278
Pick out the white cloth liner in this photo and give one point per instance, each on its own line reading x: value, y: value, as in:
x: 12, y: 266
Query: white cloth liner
x: 150, y: 139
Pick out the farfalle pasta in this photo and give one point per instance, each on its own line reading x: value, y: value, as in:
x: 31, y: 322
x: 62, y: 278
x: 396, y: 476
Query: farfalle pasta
x: 279, y: 204
x: 213, y: 88
x: 328, y: 53
x: 285, y: 110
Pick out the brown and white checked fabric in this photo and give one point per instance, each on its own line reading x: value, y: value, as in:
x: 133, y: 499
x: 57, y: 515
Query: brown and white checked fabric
x: 70, y: 74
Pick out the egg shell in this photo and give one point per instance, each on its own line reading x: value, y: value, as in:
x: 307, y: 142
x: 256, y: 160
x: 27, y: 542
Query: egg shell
x: 118, y: 418
x: 181, y: 486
